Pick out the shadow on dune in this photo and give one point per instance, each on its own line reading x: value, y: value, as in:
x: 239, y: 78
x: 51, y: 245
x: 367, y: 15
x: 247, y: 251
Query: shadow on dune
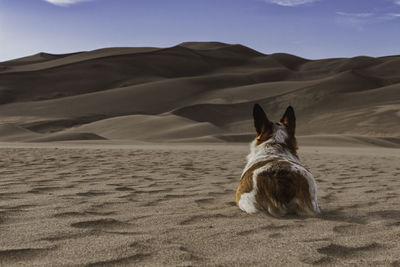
x: 199, y: 82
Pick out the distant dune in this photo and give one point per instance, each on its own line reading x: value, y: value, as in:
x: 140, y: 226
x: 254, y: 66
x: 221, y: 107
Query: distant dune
x: 196, y: 91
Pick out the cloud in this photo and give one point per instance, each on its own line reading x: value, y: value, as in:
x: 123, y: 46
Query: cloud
x: 390, y: 16
x: 291, y: 2
x: 354, y: 20
x: 65, y: 2
x: 355, y: 15
x: 397, y: 2
x: 359, y: 21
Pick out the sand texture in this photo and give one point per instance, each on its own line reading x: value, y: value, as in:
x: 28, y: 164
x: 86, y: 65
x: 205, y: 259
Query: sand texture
x: 131, y: 157
x: 198, y: 91
x: 146, y: 205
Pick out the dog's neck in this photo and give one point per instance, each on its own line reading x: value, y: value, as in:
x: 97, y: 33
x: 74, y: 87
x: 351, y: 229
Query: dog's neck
x: 270, y: 149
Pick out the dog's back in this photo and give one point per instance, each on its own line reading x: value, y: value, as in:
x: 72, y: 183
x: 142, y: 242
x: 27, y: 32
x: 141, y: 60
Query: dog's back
x: 273, y: 180
x: 276, y: 187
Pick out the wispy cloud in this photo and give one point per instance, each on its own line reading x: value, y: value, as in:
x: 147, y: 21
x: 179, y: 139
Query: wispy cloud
x: 354, y: 20
x: 355, y: 15
x: 390, y: 16
x: 397, y: 2
x: 359, y: 21
x: 65, y: 2
x: 291, y: 3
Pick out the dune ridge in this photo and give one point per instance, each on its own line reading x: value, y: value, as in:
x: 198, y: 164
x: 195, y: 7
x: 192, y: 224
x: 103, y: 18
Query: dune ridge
x: 199, y: 83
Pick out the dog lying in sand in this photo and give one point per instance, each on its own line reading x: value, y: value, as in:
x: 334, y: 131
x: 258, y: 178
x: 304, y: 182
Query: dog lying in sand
x: 273, y: 179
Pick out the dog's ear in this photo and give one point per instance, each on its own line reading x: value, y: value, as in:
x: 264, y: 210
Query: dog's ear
x: 289, y: 119
x: 261, y: 121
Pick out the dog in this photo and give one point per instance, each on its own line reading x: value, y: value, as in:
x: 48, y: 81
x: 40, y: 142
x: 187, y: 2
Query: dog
x: 273, y: 179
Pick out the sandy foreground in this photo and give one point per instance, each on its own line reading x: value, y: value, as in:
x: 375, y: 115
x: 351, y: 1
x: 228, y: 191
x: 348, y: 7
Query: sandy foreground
x: 173, y: 205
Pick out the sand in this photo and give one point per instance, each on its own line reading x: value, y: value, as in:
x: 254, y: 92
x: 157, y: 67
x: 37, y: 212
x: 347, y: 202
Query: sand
x: 194, y: 91
x: 131, y: 156
x: 173, y: 205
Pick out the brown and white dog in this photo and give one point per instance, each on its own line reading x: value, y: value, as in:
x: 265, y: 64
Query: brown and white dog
x: 273, y: 179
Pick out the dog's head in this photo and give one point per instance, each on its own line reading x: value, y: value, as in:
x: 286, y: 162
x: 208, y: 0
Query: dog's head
x: 282, y: 132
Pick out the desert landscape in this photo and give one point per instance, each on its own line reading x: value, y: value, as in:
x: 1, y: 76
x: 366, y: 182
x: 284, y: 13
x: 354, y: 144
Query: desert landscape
x: 195, y: 92
x: 131, y: 156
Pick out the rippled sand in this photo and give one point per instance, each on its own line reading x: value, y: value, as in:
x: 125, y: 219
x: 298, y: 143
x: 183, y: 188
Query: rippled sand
x: 174, y: 205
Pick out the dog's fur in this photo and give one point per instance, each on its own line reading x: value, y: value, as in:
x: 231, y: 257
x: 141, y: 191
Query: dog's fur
x: 273, y: 179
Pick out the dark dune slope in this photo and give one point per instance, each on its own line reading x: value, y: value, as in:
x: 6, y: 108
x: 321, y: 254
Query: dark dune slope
x: 60, y: 77
x: 195, y: 83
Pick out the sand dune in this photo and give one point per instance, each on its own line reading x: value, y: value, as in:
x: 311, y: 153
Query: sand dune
x: 12, y: 132
x: 67, y: 136
x: 148, y: 127
x: 211, y: 83
x: 348, y: 141
x: 131, y: 156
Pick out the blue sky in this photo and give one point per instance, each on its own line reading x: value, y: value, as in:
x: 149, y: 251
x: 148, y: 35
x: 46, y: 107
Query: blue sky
x: 307, y: 28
